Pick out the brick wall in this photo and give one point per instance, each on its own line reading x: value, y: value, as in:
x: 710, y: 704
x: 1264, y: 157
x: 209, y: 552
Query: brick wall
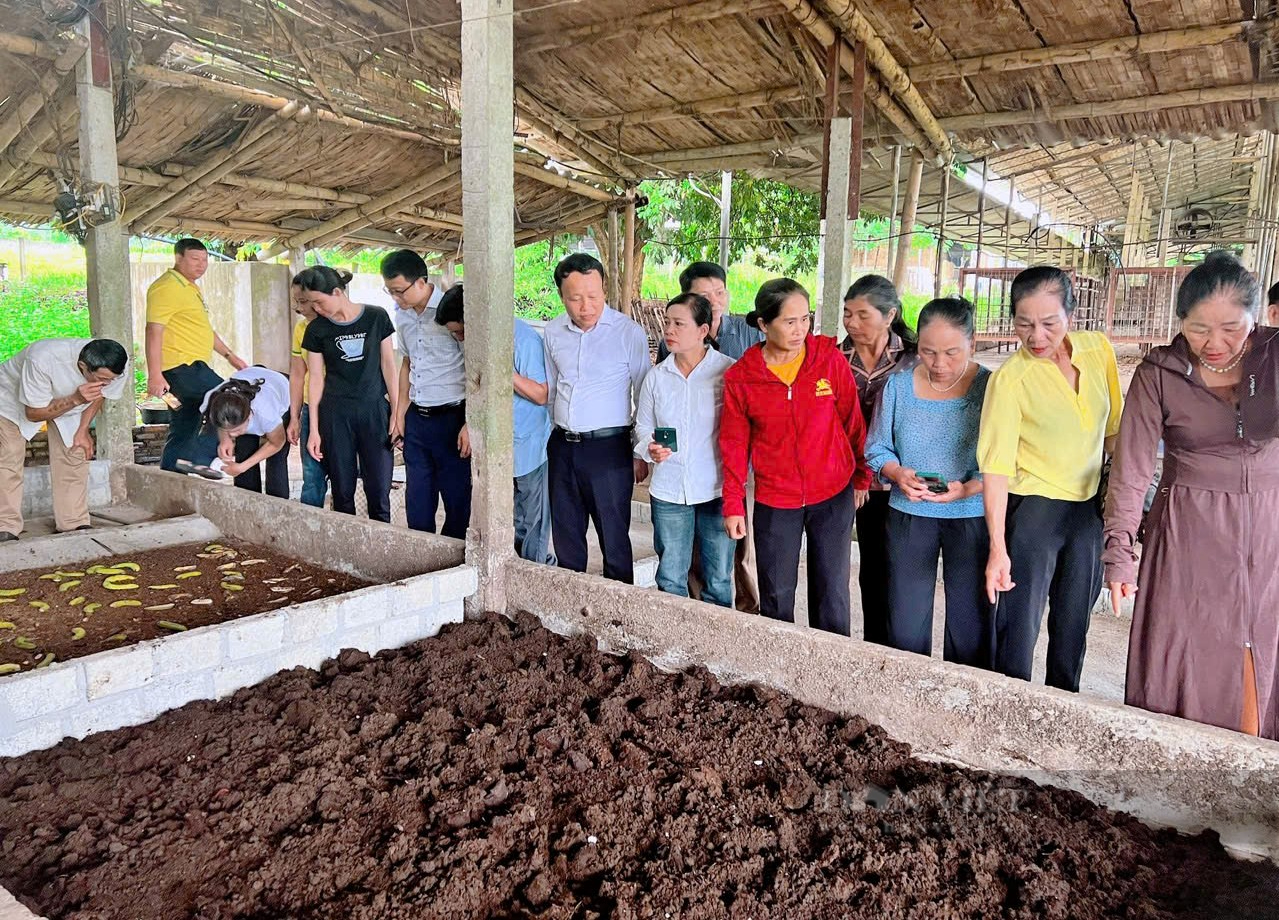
x: 148, y: 442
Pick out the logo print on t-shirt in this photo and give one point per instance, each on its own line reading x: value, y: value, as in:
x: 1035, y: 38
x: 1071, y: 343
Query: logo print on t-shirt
x: 352, y: 346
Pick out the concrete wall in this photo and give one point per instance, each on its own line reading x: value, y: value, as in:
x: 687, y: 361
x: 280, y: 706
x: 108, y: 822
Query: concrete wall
x: 1163, y: 770
x: 248, y: 306
x: 380, y: 552
x: 37, y: 488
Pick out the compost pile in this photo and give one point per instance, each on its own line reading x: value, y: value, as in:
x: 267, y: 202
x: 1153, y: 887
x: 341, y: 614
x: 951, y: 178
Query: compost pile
x: 499, y: 770
x: 53, y: 614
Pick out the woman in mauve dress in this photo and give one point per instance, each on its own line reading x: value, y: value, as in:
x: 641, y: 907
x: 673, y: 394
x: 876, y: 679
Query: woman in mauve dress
x: 1205, y: 631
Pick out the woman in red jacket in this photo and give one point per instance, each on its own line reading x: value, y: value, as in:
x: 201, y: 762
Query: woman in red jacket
x: 791, y: 413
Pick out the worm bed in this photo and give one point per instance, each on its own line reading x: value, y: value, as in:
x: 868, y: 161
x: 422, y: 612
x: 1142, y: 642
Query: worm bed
x: 500, y: 770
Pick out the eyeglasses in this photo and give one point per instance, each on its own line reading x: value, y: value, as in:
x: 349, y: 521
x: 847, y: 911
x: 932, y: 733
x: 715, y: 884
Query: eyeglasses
x: 402, y: 291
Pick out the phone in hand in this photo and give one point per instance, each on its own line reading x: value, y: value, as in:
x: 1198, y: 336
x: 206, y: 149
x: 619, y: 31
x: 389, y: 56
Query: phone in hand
x: 935, y: 481
x: 666, y: 437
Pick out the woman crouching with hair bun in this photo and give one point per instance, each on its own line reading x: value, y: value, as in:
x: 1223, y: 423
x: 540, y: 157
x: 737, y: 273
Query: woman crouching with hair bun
x: 249, y: 415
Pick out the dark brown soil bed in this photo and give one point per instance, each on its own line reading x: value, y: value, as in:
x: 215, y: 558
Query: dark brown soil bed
x: 501, y: 771
x: 60, y: 612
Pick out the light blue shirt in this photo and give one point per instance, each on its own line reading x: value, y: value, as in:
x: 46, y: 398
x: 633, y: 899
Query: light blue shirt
x: 532, y: 422
x: 436, y: 373
x: 930, y: 436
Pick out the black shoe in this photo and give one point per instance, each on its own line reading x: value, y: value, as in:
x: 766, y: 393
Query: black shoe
x: 85, y: 527
x: 6, y: 537
x: 186, y: 466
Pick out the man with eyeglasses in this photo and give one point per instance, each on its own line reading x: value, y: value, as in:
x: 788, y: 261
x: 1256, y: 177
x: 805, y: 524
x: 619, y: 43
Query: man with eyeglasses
x: 432, y: 422
x: 733, y: 337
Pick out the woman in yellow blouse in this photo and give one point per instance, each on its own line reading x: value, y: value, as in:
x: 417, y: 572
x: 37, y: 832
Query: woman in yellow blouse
x: 1050, y: 414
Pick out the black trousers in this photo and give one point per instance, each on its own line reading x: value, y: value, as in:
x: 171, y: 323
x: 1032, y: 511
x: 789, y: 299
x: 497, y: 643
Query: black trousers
x: 829, y: 527
x: 277, y: 466
x: 1055, y: 547
x: 356, y: 431
x: 592, y: 480
x: 872, y: 566
x: 433, y: 469
x: 914, y: 543
x: 189, y: 383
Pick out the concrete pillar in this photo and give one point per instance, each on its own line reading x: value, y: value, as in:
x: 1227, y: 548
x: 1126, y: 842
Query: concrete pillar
x: 833, y: 274
x: 448, y: 275
x: 272, y: 314
x: 297, y: 261
x: 488, y: 241
x: 107, y: 244
x: 725, y: 214
x: 909, y: 208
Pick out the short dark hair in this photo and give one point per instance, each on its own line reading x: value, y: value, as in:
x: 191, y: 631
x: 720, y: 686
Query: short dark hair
x: 954, y: 310
x: 1040, y: 278
x: 769, y: 300
x: 701, y: 270
x: 104, y: 353
x: 322, y: 279
x: 186, y: 244
x: 1272, y: 296
x: 1220, y: 273
x: 579, y: 263
x: 449, y: 309
x: 405, y: 263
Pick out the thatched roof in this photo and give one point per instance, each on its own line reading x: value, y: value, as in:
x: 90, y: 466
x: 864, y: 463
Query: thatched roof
x: 617, y: 90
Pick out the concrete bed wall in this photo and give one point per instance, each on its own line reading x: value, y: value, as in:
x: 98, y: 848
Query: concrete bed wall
x: 37, y: 488
x: 379, y: 552
x: 136, y: 683
x: 1163, y: 770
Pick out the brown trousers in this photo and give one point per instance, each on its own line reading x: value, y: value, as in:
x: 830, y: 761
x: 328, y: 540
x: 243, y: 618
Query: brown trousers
x: 68, y: 468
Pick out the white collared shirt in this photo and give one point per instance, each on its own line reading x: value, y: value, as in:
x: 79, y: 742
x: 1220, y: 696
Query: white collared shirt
x: 691, y: 405
x: 437, y: 375
x: 42, y: 372
x: 593, y: 376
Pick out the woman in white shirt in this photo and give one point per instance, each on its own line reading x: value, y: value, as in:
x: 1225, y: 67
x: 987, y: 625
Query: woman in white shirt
x: 250, y: 413
x: 677, y: 428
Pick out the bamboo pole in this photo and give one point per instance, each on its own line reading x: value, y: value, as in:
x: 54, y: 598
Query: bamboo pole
x: 614, y: 240
x: 981, y: 227
x: 909, y: 209
x: 180, y: 190
x: 1165, y: 216
x: 304, y: 57
x: 941, y: 230
x: 182, y: 80
x: 857, y: 141
x: 532, y: 168
x: 46, y: 89
x: 892, y: 213
x: 628, y: 258
x: 820, y: 28
x: 1125, y: 46
x: 709, y: 106
x: 39, y: 132
x: 664, y: 157
x: 673, y: 17
x: 895, y: 78
x: 1243, y: 92
x: 367, y: 216
x: 368, y: 212
x: 1008, y: 219
x: 23, y: 46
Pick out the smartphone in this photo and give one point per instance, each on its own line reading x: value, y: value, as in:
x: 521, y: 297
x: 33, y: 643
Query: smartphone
x: 935, y: 481
x: 171, y: 401
x: 666, y: 438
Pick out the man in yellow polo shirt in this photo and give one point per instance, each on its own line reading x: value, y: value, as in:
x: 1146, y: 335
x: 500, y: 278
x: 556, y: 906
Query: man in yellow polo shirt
x: 180, y: 343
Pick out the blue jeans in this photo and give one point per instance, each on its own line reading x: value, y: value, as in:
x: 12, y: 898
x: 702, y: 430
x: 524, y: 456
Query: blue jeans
x: 675, y: 527
x: 533, y: 517
x: 315, y: 484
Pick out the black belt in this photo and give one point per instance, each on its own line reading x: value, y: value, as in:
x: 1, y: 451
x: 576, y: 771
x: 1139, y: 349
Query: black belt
x: 576, y: 437
x: 428, y: 411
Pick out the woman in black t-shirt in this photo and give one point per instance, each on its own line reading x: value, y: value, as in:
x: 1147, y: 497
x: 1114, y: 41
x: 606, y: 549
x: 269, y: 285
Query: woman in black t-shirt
x: 350, y: 355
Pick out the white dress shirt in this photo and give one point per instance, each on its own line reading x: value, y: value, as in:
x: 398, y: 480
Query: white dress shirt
x: 593, y: 376
x: 42, y: 372
x: 691, y: 405
x: 437, y: 376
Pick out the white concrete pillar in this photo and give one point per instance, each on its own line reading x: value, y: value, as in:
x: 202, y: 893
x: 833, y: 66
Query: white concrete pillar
x: 488, y: 241
x: 272, y: 314
x: 107, y: 244
x: 833, y: 274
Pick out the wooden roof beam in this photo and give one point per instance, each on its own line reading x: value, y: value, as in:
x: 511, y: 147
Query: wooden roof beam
x: 726, y: 103
x: 46, y: 89
x: 646, y: 22
x: 1241, y: 92
x: 663, y: 157
x: 23, y: 46
x: 1085, y: 51
x: 894, y: 76
x: 533, y: 167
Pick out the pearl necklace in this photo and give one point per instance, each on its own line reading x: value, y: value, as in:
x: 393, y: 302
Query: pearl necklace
x: 936, y: 389
x: 1229, y: 367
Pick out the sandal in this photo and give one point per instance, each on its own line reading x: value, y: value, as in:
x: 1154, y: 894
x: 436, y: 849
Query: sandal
x: 196, y: 469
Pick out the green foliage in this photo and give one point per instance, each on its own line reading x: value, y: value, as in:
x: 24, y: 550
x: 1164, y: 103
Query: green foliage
x: 52, y: 305
x: 535, y: 293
